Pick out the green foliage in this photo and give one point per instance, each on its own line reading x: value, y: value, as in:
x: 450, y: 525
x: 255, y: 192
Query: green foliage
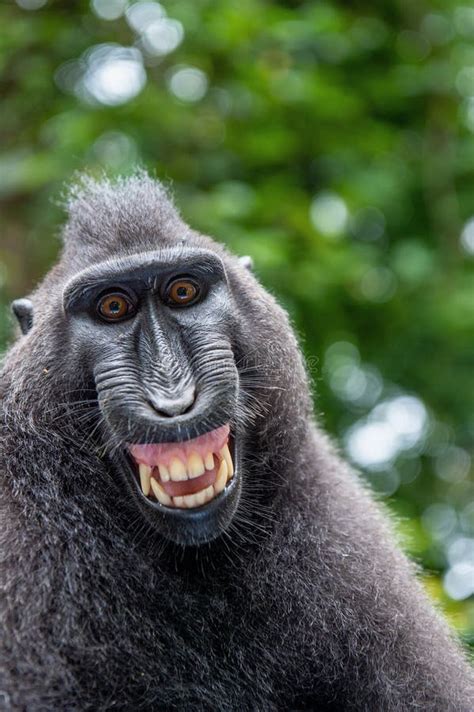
x: 334, y: 142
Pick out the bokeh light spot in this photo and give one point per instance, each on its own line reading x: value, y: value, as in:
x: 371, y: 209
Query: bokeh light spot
x: 341, y: 352
x: 109, y: 9
x: 439, y: 520
x: 378, y: 284
x: 385, y: 482
x: 467, y: 237
x: 412, y: 261
x: 407, y: 416
x: 467, y: 113
x: 437, y: 28
x: 162, y: 36
x: 116, y: 150
x: 367, y: 224
x: 372, y: 445
x: 452, y: 464
x: 458, y: 581
x: 358, y: 384
x: 464, y: 21
x: 141, y: 15
x: 106, y: 74
x: 329, y: 214
x: 465, y: 81
x: 188, y: 84
x: 31, y: 4
x: 392, y: 427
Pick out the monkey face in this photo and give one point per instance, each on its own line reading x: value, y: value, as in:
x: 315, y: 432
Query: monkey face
x: 170, y: 369
x: 155, y: 332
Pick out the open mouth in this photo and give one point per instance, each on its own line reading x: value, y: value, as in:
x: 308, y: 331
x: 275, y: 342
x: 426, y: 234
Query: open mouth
x: 188, y: 474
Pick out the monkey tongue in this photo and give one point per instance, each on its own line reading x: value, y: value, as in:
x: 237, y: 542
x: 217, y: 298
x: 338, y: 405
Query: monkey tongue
x: 162, y: 453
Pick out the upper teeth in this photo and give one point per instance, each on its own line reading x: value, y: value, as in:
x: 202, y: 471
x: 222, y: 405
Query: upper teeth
x: 225, y: 452
x: 195, y: 465
x: 221, y: 479
x: 145, y: 473
x: 164, y: 472
x: 177, y: 471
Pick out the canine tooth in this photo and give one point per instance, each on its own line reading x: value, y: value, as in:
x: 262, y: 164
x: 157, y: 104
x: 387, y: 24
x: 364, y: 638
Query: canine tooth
x: 164, y: 473
x: 177, y: 470
x: 221, y: 478
x: 209, y: 461
x: 225, y: 453
x: 190, y: 501
x: 179, y: 502
x: 195, y: 465
x: 159, y: 493
x: 145, y: 474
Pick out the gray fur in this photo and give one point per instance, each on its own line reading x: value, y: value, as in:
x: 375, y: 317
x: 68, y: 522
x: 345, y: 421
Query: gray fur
x: 304, y: 603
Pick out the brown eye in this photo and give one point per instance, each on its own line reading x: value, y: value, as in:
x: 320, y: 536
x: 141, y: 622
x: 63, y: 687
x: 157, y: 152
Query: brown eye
x: 182, y: 292
x: 114, y: 307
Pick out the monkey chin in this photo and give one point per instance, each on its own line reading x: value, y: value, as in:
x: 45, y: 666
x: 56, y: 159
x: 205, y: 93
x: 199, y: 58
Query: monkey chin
x: 188, y: 491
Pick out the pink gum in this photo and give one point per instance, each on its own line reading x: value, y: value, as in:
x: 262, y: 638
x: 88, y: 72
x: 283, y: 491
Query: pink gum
x: 153, y: 455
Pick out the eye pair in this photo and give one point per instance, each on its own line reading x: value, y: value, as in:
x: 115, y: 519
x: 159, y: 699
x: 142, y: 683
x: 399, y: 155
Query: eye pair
x: 116, y: 306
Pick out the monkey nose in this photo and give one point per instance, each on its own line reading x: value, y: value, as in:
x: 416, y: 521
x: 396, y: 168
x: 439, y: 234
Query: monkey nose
x: 170, y: 407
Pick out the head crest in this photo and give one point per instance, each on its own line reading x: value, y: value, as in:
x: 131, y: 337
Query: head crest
x: 126, y: 212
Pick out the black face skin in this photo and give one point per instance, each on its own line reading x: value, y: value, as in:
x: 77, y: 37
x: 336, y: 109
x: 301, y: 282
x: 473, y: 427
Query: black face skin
x: 163, y: 371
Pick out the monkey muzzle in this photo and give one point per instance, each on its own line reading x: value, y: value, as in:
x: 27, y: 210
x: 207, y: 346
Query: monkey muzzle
x: 188, y: 490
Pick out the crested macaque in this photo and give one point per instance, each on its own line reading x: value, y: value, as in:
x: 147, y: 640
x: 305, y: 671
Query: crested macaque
x: 178, y: 534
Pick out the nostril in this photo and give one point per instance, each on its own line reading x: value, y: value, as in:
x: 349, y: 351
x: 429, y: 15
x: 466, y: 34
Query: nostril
x: 168, y: 407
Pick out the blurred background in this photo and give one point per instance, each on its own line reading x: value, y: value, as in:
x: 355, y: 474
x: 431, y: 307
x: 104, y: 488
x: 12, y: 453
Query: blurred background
x: 333, y: 142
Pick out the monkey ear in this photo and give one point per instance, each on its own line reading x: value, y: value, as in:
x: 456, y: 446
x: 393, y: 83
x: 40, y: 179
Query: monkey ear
x: 246, y: 262
x: 23, y: 310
